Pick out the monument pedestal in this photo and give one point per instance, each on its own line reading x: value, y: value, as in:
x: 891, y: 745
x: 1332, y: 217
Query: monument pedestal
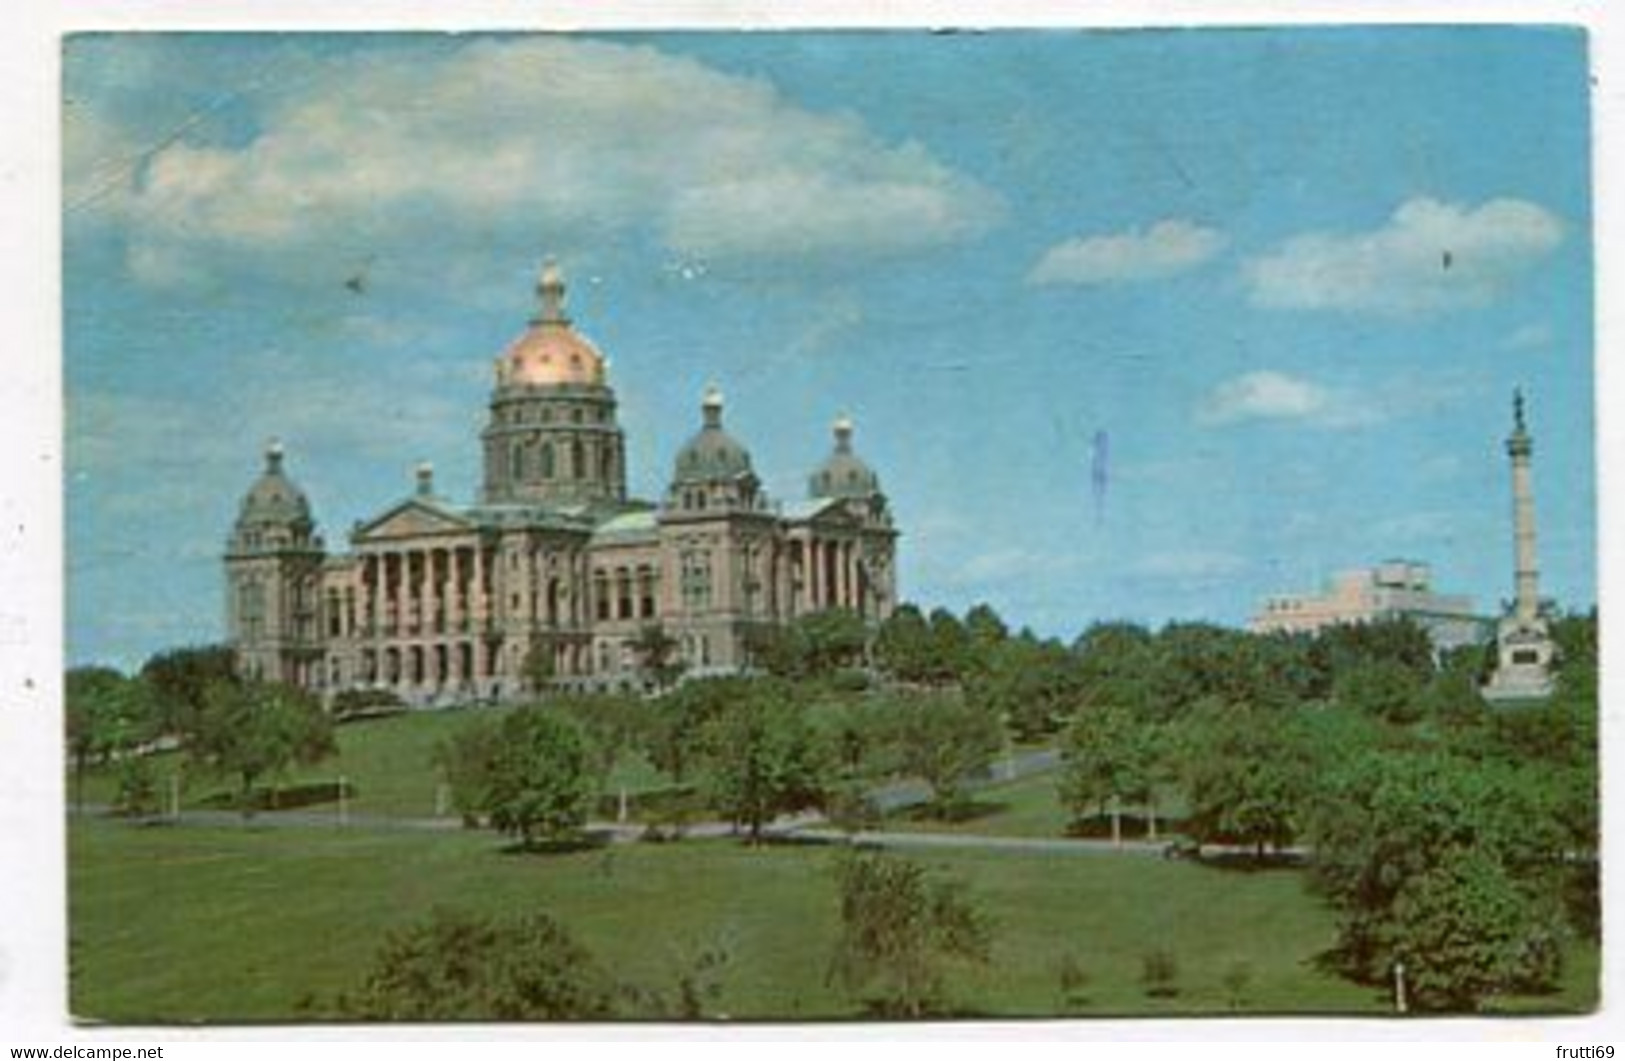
x: 1523, y: 665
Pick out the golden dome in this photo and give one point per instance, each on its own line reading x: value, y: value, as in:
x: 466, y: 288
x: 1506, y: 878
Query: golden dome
x: 550, y: 352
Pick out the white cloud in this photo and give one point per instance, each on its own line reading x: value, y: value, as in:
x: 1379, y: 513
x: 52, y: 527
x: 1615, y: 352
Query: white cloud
x: 1529, y: 337
x: 1430, y: 256
x: 1165, y: 249
x: 1264, y: 395
x: 544, y: 142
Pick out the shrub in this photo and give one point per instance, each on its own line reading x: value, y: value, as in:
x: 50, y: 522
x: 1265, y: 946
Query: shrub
x: 1159, y: 973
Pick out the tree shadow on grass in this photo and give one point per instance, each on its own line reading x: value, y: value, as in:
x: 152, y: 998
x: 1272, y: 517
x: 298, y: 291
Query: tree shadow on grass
x: 281, y: 797
x: 561, y: 846
x: 1250, y: 861
x: 965, y: 810
x: 1134, y: 827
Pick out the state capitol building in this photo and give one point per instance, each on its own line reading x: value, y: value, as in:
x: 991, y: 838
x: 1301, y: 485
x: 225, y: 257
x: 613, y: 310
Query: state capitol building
x: 554, y: 575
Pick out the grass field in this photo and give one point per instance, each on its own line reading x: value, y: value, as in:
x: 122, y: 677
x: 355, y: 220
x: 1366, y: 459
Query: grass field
x: 385, y: 761
x: 1028, y: 806
x: 195, y: 924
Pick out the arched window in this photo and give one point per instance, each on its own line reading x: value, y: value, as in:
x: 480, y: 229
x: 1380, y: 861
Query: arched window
x: 547, y: 460
x: 606, y: 461
x: 578, y: 460
x: 516, y: 461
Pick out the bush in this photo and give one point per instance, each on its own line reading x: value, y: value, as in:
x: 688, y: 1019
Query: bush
x: 1072, y: 981
x: 351, y: 704
x: 1159, y: 973
x: 137, y: 787
x: 462, y: 967
x: 899, y: 930
x: 1237, y: 976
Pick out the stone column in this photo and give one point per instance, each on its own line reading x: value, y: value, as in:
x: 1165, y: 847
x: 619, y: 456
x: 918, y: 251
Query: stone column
x: 1520, y: 447
x: 431, y: 592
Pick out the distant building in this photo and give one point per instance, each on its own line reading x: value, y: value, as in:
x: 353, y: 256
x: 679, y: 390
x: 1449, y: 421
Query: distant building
x: 1523, y: 640
x: 1396, y: 589
x: 554, y: 576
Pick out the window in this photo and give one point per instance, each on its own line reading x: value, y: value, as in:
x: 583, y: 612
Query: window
x: 646, y: 592
x: 696, y: 579
x: 547, y: 460
x: 623, y: 594
x: 578, y: 459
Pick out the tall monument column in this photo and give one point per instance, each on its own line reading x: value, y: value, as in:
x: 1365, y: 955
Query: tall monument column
x: 1520, y: 447
x: 1524, y: 648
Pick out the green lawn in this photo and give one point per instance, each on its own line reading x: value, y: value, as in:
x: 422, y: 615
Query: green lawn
x: 195, y: 924
x: 1030, y: 807
x: 385, y: 761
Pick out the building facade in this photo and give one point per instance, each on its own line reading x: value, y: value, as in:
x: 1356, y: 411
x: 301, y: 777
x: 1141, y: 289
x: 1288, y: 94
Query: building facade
x: 1392, y: 590
x: 553, y: 576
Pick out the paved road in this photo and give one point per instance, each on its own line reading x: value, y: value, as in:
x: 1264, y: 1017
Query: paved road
x: 949, y: 841
x: 898, y: 795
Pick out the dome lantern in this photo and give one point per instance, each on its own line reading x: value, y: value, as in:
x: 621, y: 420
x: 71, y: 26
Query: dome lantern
x: 550, y: 293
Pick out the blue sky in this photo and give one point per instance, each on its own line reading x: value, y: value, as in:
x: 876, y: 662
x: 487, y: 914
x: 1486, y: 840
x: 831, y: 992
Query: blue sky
x: 1292, y: 275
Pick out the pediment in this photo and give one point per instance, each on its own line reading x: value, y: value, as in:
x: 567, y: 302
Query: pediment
x: 412, y: 519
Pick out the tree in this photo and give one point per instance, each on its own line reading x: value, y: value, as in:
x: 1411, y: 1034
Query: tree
x: 1201, y: 662
x: 252, y: 729
x: 950, y: 647
x: 539, y: 667
x: 763, y: 759
x: 1466, y: 931
x: 985, y: 634
x: 611, y: 725
x: 461, y: 967
x: 900, y: 929
x: 541, y: 782
x: 1383, y: 688
x: 672, y: 731
x: 1033, y: 685
x: 1247, y: 774
x: 812, y: 646
x: 465, y: 760
x: 1337, y: 649
x: 180, y: 679
x: 903, y: 646
x: 656, y: 653
x: 1411, y: 846
x: 945, y: 740
x: 1107, y: 755
x: 104, y: 712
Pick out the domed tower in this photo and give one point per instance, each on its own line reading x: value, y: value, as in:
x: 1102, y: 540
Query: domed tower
x: 552, y: 438
x: 864, y: 574
x: 713, y: 471
x: 718, y: 548
x: 273, y: 566
x: 844, y: 475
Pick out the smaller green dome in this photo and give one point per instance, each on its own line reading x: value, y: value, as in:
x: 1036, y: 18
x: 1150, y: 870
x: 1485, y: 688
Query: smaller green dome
x: 274, y: 499
x: 843, y: 475
x: 712, y: 455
